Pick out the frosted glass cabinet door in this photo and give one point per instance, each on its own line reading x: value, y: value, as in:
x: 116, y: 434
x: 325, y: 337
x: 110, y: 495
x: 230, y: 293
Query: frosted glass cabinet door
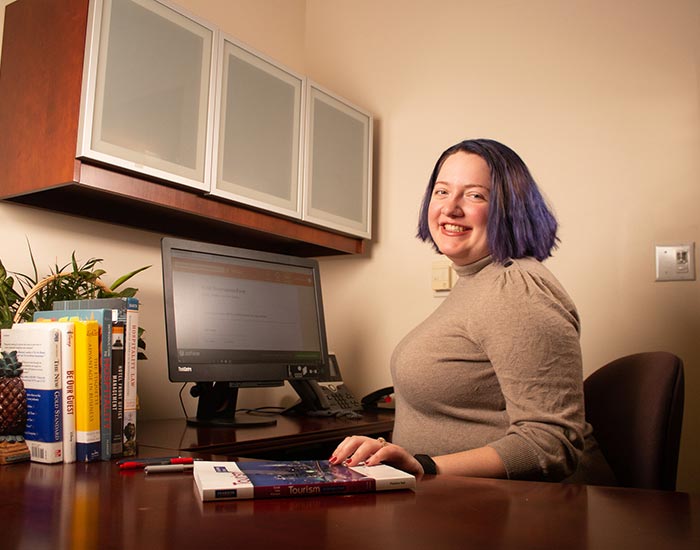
x: 147, y: 91
x: 338, y: 164
x: 258, y: 133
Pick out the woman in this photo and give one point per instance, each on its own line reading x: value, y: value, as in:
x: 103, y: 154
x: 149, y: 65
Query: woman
x: 490, y: 384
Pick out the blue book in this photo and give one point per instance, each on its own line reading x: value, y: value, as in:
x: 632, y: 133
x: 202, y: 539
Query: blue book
x: 38, y: 348
x: 104, y: 319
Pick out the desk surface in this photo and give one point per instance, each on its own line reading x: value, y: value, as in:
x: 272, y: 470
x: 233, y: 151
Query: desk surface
x: 97, y: 506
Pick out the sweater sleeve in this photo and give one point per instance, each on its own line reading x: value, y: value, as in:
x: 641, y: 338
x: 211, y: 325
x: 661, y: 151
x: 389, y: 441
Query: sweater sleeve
x: 528, y: 327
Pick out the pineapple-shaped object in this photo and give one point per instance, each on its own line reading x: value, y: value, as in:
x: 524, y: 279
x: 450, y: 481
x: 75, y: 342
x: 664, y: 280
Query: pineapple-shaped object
x: 13, y: 399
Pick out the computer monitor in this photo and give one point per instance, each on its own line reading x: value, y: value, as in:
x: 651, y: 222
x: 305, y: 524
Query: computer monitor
x: 237, y: 318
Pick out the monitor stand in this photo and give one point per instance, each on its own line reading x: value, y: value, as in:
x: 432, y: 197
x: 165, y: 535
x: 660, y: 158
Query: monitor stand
x: 216, y: 407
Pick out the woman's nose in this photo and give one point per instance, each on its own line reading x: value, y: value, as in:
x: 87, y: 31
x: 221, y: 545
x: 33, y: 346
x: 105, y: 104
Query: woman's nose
x: 451, y: 206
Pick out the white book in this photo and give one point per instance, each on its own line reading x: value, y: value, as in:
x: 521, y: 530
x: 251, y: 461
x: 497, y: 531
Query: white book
x: 293, y: 478
x: 39, y: 350
x: 131, y: 377
x: 67, y: 383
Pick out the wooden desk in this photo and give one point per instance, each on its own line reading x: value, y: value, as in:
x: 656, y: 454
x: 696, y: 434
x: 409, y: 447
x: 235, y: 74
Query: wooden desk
x: 97, y: 506
x: 305, y: 436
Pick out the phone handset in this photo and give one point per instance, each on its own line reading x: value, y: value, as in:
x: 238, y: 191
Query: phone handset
x: 329, y: 396
x: 312, y: 398
x: 321, y: 394
x: 379, y: 399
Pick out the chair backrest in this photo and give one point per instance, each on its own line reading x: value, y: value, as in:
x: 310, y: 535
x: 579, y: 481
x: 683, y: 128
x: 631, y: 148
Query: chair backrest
x: 635, y: 405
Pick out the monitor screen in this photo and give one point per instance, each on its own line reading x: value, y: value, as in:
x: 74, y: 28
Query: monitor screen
x: 241, y: 317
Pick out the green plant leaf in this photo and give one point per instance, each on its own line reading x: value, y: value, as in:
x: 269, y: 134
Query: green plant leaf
x: 121, y: 280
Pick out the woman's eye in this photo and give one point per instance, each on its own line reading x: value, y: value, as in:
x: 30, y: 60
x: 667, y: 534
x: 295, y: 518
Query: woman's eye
x: 476, y: 196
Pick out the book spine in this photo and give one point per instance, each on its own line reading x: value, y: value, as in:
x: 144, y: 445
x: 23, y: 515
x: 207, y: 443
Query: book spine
x: 316, y: 489
x: 285, y: 491
x: 68, y: 388
x: 130, y: 378
x: 87, y: 391
x: 39, y: 352
x: 105, y: 351
x: 117, y: 388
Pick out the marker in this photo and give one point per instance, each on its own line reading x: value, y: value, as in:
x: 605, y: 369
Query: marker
x: 167, y: 468
x: 140, y: 463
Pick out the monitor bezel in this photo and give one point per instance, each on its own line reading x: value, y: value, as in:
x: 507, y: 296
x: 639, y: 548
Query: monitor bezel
x: 257, y: 374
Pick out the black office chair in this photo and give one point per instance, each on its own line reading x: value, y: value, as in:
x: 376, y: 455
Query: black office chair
x: 635, y: 405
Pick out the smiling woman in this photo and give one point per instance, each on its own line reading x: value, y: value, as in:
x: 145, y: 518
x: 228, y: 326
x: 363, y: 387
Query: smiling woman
x: 491, y: 383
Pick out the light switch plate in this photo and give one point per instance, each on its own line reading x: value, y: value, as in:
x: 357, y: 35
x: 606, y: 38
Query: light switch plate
x: 675, y: 262
x: 441, y: 276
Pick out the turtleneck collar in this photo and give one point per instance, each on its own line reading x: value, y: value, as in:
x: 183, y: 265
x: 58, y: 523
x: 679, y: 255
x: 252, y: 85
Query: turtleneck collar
x: 473, y: 268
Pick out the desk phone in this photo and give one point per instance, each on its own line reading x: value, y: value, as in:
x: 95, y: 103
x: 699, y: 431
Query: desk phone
x: 327, y: 397
x: 333, y: 395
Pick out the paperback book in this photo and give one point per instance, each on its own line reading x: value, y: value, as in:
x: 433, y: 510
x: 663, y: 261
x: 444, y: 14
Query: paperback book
x: 118, y: 351
x: 67, y: 331
x: 38, y: 348
x: 293, y: 478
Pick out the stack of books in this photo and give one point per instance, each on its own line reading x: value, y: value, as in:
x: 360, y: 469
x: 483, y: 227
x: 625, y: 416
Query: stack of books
x: 80, y: 372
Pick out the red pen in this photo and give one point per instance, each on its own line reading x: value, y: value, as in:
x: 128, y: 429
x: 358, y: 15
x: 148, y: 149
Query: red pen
x: 140, y: 463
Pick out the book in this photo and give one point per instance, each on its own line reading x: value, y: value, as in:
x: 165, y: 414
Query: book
x: 118, y: 350
x: 104, y: 320
x: 87, y: 389
x: 127, y: 313
x: 67, y: 384
x: 38, y: 348
x: 293, y: 478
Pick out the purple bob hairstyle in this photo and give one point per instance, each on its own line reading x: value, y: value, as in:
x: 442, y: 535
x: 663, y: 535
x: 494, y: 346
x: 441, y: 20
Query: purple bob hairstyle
x: 520, y: 223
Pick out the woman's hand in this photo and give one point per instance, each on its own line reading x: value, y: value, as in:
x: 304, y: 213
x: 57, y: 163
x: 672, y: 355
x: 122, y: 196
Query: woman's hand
x: 360, y: 449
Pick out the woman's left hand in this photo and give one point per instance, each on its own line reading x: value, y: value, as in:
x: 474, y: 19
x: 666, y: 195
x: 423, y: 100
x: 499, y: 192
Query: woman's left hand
x: 358, y: 449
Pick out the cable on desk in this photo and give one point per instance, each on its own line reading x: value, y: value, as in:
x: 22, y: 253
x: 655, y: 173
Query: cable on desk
x: 182, y: 403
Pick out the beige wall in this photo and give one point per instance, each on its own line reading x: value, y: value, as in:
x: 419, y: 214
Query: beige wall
x: 602, y: 100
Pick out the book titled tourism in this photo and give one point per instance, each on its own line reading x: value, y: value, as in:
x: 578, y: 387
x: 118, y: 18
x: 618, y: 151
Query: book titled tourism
x: 127, y: 314
x: 38, y: 349
x: 293, y: 478
x: 67, y: 383
x: 104, y: 321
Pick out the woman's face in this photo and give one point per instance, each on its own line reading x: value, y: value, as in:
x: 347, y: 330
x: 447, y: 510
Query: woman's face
x: 458, y: 211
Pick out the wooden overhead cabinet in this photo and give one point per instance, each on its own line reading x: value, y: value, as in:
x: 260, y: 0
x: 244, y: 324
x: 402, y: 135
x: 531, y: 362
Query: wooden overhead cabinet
x: 138, y: 149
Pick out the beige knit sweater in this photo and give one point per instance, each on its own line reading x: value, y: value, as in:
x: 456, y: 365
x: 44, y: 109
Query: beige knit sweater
x: 498, y: 363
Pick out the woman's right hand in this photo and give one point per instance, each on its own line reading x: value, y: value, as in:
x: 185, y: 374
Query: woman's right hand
x: 357, y: 449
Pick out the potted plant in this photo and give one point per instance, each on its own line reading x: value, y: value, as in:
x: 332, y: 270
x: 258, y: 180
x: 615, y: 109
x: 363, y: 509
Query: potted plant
x: 70, y: 282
